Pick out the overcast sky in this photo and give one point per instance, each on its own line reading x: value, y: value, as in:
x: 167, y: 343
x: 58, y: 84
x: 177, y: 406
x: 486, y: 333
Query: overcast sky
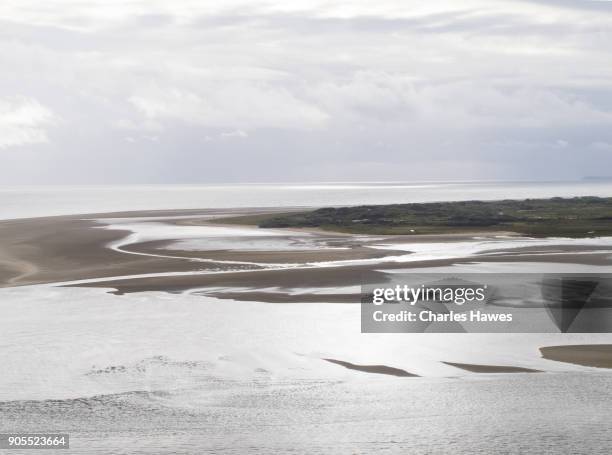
x: 171, y: 91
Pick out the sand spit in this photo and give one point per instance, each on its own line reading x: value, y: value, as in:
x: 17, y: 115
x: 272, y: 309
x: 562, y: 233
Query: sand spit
x: 588, y: 355
x: 376, y: 369
x: 491, y: 368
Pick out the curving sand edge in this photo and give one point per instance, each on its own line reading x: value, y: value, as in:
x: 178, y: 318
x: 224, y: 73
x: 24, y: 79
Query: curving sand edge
x: 588, y: 355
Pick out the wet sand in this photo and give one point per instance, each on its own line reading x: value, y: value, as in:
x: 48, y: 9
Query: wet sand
x: 588, y: 355
x: 376, y: 369
x: 310, y: 277
x: 350, y: 253
x: 490, y: 368
x: 284, y: 297
x: 48, y: 250
x: 70, y: 248
x: 315, y: 277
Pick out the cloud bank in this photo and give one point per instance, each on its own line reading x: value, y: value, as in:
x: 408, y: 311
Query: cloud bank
x: 182, y: 91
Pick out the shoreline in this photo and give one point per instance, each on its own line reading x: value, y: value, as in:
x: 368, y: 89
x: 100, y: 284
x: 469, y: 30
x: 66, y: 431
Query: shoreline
x: 61, y: 249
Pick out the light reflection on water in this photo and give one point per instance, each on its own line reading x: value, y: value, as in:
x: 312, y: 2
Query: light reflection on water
x: 539, y: 413
x: 522, y: 413
x: 31, y: 201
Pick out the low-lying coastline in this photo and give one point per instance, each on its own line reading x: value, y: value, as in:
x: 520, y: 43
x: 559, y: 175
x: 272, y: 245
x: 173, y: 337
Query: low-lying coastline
x: 151, y: 254
x: 80, y: 248
x: 554, y: 217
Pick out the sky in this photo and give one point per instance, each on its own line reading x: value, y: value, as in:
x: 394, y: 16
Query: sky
x: 186, y: 91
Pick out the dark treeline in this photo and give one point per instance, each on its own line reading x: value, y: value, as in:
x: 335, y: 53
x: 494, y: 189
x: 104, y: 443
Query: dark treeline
x: 575, y: 217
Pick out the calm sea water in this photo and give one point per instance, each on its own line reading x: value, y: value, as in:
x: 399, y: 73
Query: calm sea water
x: 155, y: 373
x: 520, y: 414
x: 30, y: 201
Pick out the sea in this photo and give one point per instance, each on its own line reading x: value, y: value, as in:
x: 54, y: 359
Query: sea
x: 32, y: 201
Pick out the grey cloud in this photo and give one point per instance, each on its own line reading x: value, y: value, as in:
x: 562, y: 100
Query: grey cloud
x: 469, y: 21
x: 603, y: 6
x: 502, y: 89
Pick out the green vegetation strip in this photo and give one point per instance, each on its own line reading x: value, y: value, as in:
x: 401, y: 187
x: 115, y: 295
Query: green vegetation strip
x: 574, y: 217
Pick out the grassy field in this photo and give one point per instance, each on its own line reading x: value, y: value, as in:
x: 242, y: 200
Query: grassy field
x: 575, y: 217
